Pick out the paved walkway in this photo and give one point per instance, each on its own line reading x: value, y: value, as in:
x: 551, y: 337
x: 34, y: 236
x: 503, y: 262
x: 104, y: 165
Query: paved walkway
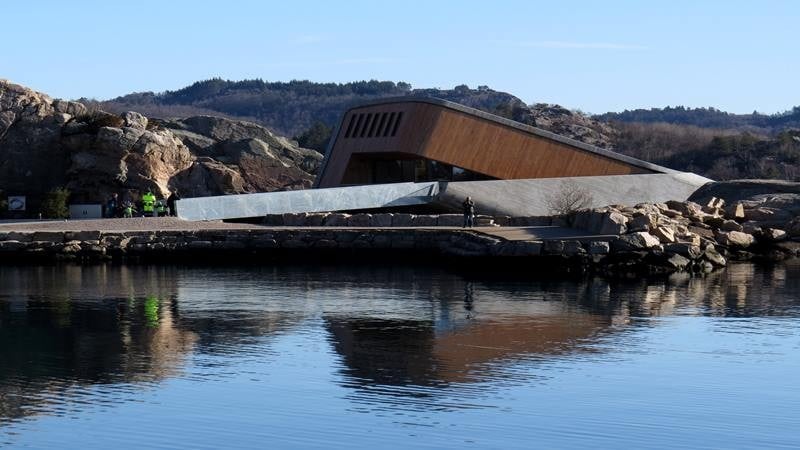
x: 174, y: 224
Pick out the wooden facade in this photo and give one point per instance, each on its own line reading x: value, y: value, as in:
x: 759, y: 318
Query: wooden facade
x: 419, y: 130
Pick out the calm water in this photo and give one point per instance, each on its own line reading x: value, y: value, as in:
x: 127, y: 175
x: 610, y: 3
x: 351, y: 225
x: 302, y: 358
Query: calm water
x: 316, y: 357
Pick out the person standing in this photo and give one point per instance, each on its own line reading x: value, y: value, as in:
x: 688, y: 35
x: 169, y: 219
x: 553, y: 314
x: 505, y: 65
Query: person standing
x: 173, y: 197
x: 112, y: 206
x: 469, y: 212
x: 148, y: 203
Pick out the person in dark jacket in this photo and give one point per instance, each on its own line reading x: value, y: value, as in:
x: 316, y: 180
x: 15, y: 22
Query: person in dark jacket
x: 113, y: 206
x: 173, y: 197
x: 469, y: 212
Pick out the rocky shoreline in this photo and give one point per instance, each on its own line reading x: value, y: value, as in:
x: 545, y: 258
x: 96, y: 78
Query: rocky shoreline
x: 644, y: 239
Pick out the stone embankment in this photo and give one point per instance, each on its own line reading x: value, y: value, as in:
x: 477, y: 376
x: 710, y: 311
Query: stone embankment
x: 209, y: 245
x: 615, y: 240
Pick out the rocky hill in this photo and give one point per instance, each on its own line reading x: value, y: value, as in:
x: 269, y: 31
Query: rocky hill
x: 294, y: 107
x: 288, y: 108
x: 46, y: 143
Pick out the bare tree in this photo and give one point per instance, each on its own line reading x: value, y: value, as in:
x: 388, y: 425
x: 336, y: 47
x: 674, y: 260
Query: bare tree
x: 570, y: 197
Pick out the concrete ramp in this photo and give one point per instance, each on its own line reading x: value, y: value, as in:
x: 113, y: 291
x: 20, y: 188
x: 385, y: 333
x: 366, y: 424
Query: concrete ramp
x: 310, y: 200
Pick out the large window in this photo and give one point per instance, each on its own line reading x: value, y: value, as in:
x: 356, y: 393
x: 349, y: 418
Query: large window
x: 376, y: 170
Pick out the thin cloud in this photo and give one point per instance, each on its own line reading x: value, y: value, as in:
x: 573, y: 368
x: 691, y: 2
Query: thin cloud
x: 577, y: 45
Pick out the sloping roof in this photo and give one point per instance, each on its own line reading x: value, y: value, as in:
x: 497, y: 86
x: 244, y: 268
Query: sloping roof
x: 505, y: 122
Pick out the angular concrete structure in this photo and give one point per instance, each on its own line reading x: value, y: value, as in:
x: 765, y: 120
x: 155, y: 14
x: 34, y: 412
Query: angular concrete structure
x: 414, y: 151
x: 310, y: 200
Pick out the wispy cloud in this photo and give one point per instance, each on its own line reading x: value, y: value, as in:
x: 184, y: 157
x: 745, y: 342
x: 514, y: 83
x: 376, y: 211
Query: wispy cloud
x: 575, y: 45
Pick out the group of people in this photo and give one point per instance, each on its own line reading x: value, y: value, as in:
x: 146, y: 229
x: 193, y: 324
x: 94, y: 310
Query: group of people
x: 149, y: 205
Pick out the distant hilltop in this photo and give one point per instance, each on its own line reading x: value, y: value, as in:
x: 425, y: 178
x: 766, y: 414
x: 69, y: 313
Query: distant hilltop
x: 706, y: 141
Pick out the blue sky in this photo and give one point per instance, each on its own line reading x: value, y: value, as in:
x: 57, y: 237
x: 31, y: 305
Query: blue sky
x: 596, y: 56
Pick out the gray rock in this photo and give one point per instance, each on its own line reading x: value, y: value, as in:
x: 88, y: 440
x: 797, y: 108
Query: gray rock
x: 359, y: 220
x: 424, y: 220
x: 687, y: 250
x: 635, y: 241
x: 402, y: 220
x: 664, y: 234
x: 644, y: 222
x: 737, y: 190
x: 383, y: 220
x: 599, y: 248
x: 677, y: 262
x: 793, y: 227
x: 572, y: 248
x: 315, y: 219
x: 336, y: 220
x: 134, y: 120
x: 501, y: 221
x: 731, y: 225
x: 295, y: 219
x: 712, y: 255
x: 485, y: 221
x: 751, y: 227
x: 735, y: 211
x: 689, y: 209
x: 774, y: 235
x: 613, y: 223
x: 50, y: 236
x: 554, y: 247
x: 734, y: 239
x: 765, y: 214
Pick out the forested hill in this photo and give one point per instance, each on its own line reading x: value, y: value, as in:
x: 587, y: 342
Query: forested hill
x: 289, y: 108
x: 708, y: 118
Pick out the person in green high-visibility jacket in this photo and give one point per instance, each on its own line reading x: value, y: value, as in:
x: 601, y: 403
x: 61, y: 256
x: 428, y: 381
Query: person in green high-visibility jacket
x: 148, y: 203
x: 161, y: 208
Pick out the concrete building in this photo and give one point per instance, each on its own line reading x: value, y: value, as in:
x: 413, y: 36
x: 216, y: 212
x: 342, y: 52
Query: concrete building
x: 411, y: 151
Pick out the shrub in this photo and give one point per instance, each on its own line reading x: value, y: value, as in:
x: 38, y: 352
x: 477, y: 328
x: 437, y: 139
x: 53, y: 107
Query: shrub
x: 569, y: 198
x: 54, y: 204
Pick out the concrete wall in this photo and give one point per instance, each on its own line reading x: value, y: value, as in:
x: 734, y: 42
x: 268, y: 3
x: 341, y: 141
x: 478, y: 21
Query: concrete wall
x: 533, y: 197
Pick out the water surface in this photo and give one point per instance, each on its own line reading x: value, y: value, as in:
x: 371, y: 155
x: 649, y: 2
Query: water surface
x: 395, y: 357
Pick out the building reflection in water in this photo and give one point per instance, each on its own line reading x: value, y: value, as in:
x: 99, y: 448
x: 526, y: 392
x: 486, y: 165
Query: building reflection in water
x: 64, y: 329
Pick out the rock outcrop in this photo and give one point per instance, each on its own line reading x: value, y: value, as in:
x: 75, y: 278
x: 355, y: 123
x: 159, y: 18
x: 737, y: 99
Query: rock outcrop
x: 46, y: 143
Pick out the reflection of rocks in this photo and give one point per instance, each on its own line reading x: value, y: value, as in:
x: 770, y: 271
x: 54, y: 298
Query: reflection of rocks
x: 63, y: 328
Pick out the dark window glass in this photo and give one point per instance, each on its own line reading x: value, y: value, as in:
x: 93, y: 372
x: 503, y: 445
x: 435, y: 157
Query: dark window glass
x: 358, y: 125
x: 367, y: 123
x: 379, y: 129
x: 350, y: 126
x: 389, y: 124
x: 397, y: 124
x: 374, y: 124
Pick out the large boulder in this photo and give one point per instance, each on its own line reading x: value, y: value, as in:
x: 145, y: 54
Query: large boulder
x: 734, y: 239
x: 50, y: 143
x: 736, y: 190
